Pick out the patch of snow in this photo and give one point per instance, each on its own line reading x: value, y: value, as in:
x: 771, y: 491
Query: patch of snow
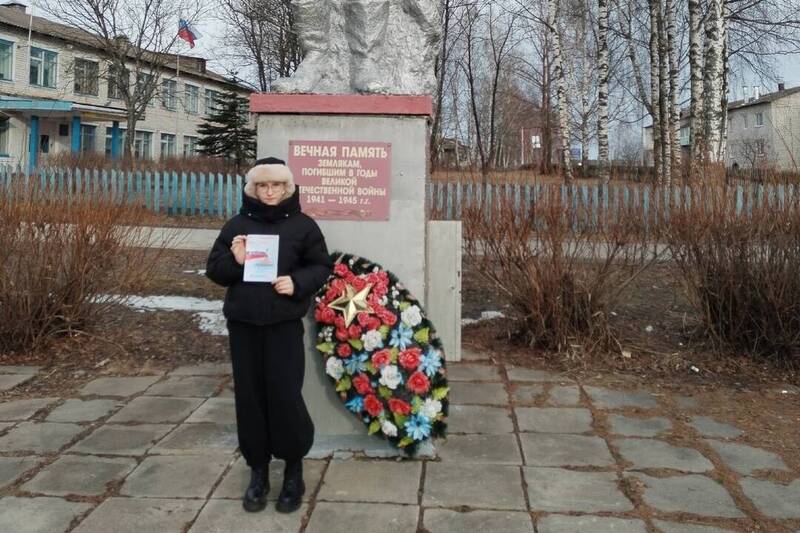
x: 485, y: 315
x: 202, y: 271
x: 173, y: 303
x: 212, y: 323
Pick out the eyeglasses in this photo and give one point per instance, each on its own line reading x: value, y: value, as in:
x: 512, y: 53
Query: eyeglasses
x: 271, y: 186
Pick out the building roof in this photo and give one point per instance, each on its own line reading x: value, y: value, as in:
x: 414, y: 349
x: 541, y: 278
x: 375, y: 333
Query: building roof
x: 767, y: 98
x: 14, y: 16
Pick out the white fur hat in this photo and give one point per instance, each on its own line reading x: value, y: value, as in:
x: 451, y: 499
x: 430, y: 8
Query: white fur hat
x: 265, y: 172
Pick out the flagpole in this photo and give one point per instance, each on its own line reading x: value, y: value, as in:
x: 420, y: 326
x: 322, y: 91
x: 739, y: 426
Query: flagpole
x: 177, y: 101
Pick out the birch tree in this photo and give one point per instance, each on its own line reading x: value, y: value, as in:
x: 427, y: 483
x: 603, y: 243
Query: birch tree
x: 696, y: 130
x: 602, y: 90
x: 561, y: 89
x: 713, y: 81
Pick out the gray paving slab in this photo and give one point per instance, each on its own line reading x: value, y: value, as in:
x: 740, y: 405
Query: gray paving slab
x: 527, y: 393
x: 140, y: 515
x: 488, y: 449
x: 12, y: 467
x: 465, y: 392
x: 773, y: 499
x: 9, y: 381
x: 564, y: 395
x: 614, y: 399
x: 686, y: 402
x: 638, y: 427
x: 118, y: 386
x: 185, y: 386
x: 474, y: 485
x: 226, y: 392
x: 651, y: 453
x: 19, y: 369
x: 674, y: 527
x: 596, y: 524
x: 77, y: 410
x: 224, y: 516
x: 204, y: 369
x: 216, y: 410
x: 345, y: 517
x: 365, y: 481
x: 237, y: 478
x: 552, y: 449
x: 326, y: 446
x: 190, y: 476
x: 23, y: 409
x: 156, y: 410
x: 468, y: 354
x: 199, y: 438
x: 557, y: 489
x: 448, y: 521
x: 38, y: 515
x: 693, y: 494
x: 4, y: 425
x: 472, y: 372
x: 746, y: 459
x: 81, y: 475
x: 519, y: 373
x: 122, y: 440
x: 554, y: 419
x: 479, y: 419
x: 708, y: 427
x: 39, y: 437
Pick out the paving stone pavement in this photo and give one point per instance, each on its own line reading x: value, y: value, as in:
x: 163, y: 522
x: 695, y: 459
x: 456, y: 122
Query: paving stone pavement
x: 528, y: 450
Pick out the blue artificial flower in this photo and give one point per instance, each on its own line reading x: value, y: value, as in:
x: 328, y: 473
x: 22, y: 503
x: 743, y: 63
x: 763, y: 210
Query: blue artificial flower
x: 356, y: 363
x: 356, y: 404
x: 418, y: 427
x: 402, y: 337
x: 430, y: 362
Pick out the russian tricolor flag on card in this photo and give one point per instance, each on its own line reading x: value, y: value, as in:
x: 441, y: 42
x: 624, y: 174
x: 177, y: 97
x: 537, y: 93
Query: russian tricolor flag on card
x: 187, y: 33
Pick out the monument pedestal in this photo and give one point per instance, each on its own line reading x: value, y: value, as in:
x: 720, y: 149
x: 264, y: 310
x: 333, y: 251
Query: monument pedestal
x: 400, y: 243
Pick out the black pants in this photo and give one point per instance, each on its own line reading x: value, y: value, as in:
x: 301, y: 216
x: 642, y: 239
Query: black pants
x: 268, y: 369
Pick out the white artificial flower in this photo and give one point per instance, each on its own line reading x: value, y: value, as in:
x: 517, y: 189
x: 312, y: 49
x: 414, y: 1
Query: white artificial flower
x: 412, y: 316
x: 384, y: 300
x: 334, y: 368
x: 430, y: 408
x: 389, y: 429
x: 372, y: 340
x: 390, y: 376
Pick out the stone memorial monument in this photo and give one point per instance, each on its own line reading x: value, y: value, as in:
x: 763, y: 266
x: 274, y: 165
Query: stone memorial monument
x: 353, y: 125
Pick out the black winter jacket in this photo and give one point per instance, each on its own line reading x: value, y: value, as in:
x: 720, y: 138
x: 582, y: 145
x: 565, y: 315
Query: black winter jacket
x: 302, y: 254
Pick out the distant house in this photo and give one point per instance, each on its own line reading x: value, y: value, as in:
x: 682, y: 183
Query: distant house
x: 763, y: 132
x: 53, y: 98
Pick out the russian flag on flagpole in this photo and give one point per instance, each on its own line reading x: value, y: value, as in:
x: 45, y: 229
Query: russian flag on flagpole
x: 187, y: 33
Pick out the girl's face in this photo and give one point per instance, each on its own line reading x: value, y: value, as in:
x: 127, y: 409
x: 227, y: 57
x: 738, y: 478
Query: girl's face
x: 270, y: 192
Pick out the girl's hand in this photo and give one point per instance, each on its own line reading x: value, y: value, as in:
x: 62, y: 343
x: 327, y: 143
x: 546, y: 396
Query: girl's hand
x: 238, y: 248
x: 284, y: 285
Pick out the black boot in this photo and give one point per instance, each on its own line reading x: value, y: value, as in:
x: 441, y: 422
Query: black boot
x: 293, y: 488
x: 255, y: 498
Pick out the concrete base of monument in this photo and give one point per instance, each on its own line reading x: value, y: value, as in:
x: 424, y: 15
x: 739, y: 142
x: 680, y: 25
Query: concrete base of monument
x: 343, y: 446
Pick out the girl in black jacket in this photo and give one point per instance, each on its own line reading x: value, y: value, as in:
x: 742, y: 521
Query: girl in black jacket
x: 266, y: 329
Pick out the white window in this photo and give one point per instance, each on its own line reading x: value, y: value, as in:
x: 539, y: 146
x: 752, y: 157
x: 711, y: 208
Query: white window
x: 192, y: 95
x: 167, y: 145
x: 142, y: 144
x: 87, y: 75
x: 685, y: 136
x: 109, y: 129
x: 169, y: 93
x: 43, y: 67
x: 144, y: 85
x: 212, y: 99
x: 5, y: 126
x: 118, y: 79
x: 189, y: 146
x: 744, y: 119
x: 87, y: 138
x: 6, y: 60
x: 759, y: 119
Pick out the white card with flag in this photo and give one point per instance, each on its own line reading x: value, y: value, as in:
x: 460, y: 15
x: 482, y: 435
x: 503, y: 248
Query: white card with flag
x: 261, y: 258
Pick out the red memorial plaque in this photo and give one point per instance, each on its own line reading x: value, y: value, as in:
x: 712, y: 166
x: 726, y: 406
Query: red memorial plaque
x: 342, y: 180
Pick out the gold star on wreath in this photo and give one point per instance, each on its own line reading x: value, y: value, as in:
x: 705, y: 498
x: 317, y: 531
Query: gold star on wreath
x: 351, y: 303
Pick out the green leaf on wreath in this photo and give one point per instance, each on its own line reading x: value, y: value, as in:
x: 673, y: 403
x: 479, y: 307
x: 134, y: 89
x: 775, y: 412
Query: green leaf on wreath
x: 404, y: 305
x: 370, y: 367
x: 393, y: 354
x: 416, y: 404
x: 385, y: 392
x: 405, y: 441
x: 374, y: 427
x: 440, y: 393
x: 356, y: 343
x: 325, y: 347
x: 384, y: 330
x: 422, y: 336
x: 399, y: 419
x: 344, y: 384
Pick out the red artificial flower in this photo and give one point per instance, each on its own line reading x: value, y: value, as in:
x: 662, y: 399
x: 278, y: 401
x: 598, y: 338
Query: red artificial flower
x: 399, y: 406
x: 344, y: 350
x: 325, y: 314
x: 359, y: 283
x: 373, y: 405
x: 372, y: 323
x: 362, y: 384
x: 409, y: 359
x: 388, y: 318
x: 354, y: 332
x: 418, y: 383
x: 341, y: 270
x: 342, y: 335
x: 381, y: 358
x: 339, y: 322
